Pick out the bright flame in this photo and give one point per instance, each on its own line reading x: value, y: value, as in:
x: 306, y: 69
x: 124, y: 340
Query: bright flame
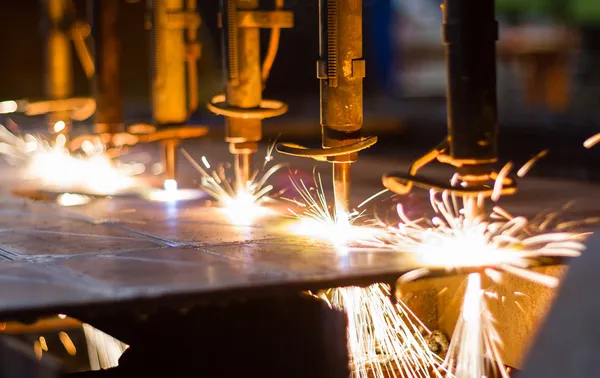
x: 54, y: 166
x: 384, y: 339
x: 170, y: 185
x: 70, y: 199
x: 59, y: 126
x: 241, y: 206
x: 319, y: 221
x: 7, y: 107
x: 499, y: 241
x: 172, y: 193
x: 461, y: 235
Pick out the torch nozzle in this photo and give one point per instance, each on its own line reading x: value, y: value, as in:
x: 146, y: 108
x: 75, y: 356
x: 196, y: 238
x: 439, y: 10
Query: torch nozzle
x: 341, y: 188
x: 169, y: 148
x: 243, y: 170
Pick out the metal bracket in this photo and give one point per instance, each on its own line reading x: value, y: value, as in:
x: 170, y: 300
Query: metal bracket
x: 183, y: 20
x: 402, y: 183
x: 141, y: 133
x: 359, y: 69
x: 265, y: 19
x: 80, y: 108
x: 193, y: 50
x: 267, y: 109
x: 323, y: 154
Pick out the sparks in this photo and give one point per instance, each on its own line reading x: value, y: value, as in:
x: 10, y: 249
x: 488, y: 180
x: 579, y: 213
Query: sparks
x: 171, y: 193
x: 475, y: 347
x: 318, y: 220
x: 104, y: 350
x: 70, y: 199
x: 462, y: 236
x: 242, y: 205
x: 501, y: 242
x: 592, y: 141
x: 384, y: 339
x: 7, y: 107
x: 53, y: 166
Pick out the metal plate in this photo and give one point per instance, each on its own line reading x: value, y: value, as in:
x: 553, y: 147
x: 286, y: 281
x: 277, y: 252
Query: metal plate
x: 132, y: 252
x: 58, y: 259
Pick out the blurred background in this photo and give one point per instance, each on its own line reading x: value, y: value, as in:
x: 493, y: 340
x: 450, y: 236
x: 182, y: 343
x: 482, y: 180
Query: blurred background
x: 548, y: 74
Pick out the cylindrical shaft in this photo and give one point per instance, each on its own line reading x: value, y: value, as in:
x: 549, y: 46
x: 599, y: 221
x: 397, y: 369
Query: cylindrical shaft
x: 59, y: 74
x: 473, y: 207
x: 109, y: 103
x: 341, y: 188
x: 340, y: 67
x: 470, y: 33
x: 243, y: 170
x: 169, y: 95
x: 241, y: 57
x: 341, y: 70
x: 169, y: 148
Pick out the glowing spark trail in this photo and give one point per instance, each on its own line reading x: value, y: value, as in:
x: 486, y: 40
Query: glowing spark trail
x: 243, y: 205
x: 527, y: 166
x: 55, y: 167
x: 320, y: 221
x: 474, y: 351
x: 592, y: 141
x: 491, y: 244
x: 104, y: 350
x: 499, y: 241
x: 384, y: 339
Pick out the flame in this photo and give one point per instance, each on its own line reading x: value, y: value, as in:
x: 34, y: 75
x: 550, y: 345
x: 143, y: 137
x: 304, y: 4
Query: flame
x: 319, y: 221
x: 382, y: 337
x: 59, y: 126
x: 51, y: 164
x: 171, y: 193
x: 70, y: 199
x: 242, y: 205
x: 7, y: 107
x: 461, y: 235
x: 498, y: 241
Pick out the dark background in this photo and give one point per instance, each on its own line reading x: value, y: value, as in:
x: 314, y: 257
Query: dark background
x: 413, y: 125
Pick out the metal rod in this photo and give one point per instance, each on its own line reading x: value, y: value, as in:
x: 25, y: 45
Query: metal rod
x: 241, y: 55
x: 169, y: 148
x: 341, y: 70
x: 59, y: 67
x: 109, y: 102
x: 169, y: 94
x: 473, y: 207
x: 243, y: 170
x: 470, y: 32
x: 341, y: 188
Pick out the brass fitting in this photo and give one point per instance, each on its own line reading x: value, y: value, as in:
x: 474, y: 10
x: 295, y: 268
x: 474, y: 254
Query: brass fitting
x: 242, y: 103
x: 341, y: 70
